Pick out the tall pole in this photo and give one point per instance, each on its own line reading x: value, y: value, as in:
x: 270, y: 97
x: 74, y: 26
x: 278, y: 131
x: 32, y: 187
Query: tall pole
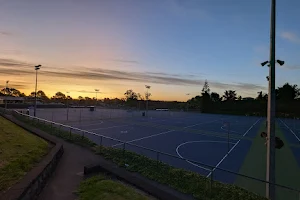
x: 96, y: 90
x: 35, y: 96
x: 270, y: 175
x: 147, y: 96
x: 6, y: 88
x: 67, y: 105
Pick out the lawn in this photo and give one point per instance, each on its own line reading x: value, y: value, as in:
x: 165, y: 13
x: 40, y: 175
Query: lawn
x: 102, y: 187
x: 19, y: 152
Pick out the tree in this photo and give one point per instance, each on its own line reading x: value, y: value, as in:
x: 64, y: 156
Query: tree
x: 59, y: 95
x: 14, y: 92
x: 215, y: 97
x: 240, y: 98
x: 229, y: 95
x: 11, y: 92
x: 205, y: 89
x: 80, y: 98
x: 41, y: 94
x: 140, y: 97
x: 147, y: 95
x: 261, y: 96
x: 287, y: 92
x: 130, y: 95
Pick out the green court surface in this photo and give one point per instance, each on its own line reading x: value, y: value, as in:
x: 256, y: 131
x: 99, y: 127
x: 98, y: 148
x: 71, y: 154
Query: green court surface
x: 287, y: 169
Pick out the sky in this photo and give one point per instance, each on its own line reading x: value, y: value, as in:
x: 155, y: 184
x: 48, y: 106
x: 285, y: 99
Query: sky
x: 171, y: 45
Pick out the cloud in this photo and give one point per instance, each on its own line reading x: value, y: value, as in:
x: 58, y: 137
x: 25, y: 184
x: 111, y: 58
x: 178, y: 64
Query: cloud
x: 290, y: 67
x: 187, y: 9
x: 292, y: 37
x: 13, y: 62
x: 14, y: 67
x: 6, y: 33
x: 125, y: 61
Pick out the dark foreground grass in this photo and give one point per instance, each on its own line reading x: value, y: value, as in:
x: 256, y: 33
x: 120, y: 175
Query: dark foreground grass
x: 287, y: 170
x: 182, y: 180
x: 19, y: 152
x: 101, y: 187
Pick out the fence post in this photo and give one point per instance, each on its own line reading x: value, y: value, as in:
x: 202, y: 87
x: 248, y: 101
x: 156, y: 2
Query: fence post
x: 157, y: 157
x: 124, y: 148
x: 82, y: 136
x: 101, y: 140
x: 70, y: 132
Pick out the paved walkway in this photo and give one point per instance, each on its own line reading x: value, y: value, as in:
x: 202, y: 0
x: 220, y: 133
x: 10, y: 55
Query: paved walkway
x: 69, y: 173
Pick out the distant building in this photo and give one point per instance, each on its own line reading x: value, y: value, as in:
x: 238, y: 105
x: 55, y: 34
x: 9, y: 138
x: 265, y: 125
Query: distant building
x: 248, y: 98
x: 11, y: 100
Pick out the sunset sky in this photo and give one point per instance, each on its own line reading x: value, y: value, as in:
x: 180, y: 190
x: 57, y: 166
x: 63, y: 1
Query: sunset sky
x: 171, y: 45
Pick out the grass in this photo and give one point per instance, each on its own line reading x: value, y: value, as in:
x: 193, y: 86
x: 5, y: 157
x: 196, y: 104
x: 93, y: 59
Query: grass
x: 59, y: 132
x: 19, y: 152
x: 102, y: 187
x: 287, y: 170
x: 182, y: 180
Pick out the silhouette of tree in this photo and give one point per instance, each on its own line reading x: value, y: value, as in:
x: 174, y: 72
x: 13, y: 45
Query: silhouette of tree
x: 205, y: 89
x: 130, y: 95
x: 80, y: 98
x: 11, y: 92
x: 229, y: 95
x: 59, y: 95
x: 261, y: 96
x: 215, y: 97
x: 240, y: 98
x: 147, y: 95
x: 139, y: 96
x: 287, y: 92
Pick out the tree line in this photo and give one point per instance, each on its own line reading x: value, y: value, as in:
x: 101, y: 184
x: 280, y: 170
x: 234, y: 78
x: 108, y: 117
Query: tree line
x: 229, y: 102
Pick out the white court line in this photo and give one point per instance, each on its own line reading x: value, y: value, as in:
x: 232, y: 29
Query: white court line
x: 203, y: 141
x: 232, y: 148
x: 154, y: 135
x: 290, y: 130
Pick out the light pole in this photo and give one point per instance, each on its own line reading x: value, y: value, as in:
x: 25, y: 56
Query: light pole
x: 270, y: 171
x: 96, y: 90
x: 6, y: 88
x: 147, y: 96
x: 35, y: 101
x: 187, y: 104
x: 67, y: 105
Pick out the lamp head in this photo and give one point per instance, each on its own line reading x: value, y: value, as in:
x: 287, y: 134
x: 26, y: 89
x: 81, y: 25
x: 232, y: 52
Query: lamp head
x: 280, y: 62
x: 264, y: 63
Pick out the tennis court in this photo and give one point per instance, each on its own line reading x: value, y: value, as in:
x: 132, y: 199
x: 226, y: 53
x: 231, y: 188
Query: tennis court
x: 194, y: 136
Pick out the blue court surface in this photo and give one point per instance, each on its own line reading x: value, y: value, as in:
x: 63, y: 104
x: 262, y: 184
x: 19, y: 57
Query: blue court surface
x: 198, y: 137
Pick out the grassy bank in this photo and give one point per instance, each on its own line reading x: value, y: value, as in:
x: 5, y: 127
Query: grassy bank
x: 102, y: 187
x: 182, y: 180
x: 19, y: 152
